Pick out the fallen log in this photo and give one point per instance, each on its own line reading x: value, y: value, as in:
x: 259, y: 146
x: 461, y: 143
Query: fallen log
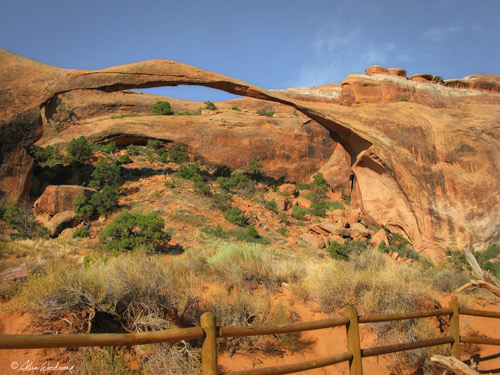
x: 453, y: 364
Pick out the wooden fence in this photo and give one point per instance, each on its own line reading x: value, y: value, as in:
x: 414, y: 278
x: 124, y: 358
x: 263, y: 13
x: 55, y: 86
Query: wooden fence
x: 209, y: 332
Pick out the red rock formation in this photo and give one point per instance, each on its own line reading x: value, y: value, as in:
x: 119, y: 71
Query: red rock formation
x: 427, y: 168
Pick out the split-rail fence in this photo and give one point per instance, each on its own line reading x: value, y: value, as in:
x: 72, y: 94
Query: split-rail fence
x: 209, y: 332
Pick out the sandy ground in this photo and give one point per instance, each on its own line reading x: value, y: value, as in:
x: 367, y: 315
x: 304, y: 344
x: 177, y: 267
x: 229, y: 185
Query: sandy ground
x: 324, y: 342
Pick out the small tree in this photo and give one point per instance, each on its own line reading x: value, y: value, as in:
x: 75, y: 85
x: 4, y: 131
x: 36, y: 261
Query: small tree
x: 130, y: 231
x: 209, y: 105
x: 106, y: 173
x: 255, y: 170
x: 178, y: 154
x: 79, y: 151
x: 161, y: 108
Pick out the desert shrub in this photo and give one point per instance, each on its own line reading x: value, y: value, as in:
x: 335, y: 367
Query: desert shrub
x: 106, y: 173
x: 299, y: 213
x: 217, y: 232
x: 131, y: 231
x: 154, y: 144
x: 339, y: 251
x: 210, y: 106
x: 243, y: 309
x: 134, y: 150
x: 221, y: 200
x: 124, y: 159
x: 282, y: 231
x: 318, y: 208
x: 222, y: 170
x: 265, y: 112
x: 235, y: 216
x: 283, y: 217
x: 20, y: 218
x: 201, y: 188
x: 319, y: 187
x: 109, y: 148
x: 235, y: 108
x: 255, y: 170
x: 104, y: 360
x: 346, y: 197
x: 236, y: 181
x: 249, y: 235
x: 81, y: 232
x: 243, y: 264
x: 447, y: 279
x: 88, y: 208
x: 48, y: 156
x: 271, y: 205
x: 43, y: 232
x: 79, y: 151
x: 161, y: 108
x: 399, y: 245
x: 190, y: 172
x: 485, y: 258
x: 382, y: 247
x: 132, y: 292
x: 173, y: 359
x: 178, y: 154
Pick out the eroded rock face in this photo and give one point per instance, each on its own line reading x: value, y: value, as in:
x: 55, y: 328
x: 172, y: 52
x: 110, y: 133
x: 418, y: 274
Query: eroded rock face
x: 426, y: 167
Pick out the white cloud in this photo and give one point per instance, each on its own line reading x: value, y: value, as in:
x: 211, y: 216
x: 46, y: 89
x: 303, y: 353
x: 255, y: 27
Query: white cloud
x: 440, y: 34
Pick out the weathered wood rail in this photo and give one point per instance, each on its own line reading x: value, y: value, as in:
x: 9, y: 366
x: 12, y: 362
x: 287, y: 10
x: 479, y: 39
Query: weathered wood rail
x: 209, y: 332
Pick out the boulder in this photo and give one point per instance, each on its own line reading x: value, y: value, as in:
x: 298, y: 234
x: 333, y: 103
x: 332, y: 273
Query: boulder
x: 301, y: 202
x: 336, y: 238
x: 312, y: 240
x: 290, y: 189
x: 359, y: 231
x: 421, y: 77
x: 59, y: 198
x: 376, y: 70
x: 353, y: 216
x: 397, y: 72
x: 378, y: 237
x: 281, y: 201
x: 61, y: 221
x: 68, y: 233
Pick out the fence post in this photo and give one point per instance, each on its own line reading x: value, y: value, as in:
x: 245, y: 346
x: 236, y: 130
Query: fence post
x: 209, y: 349
x: 353, y: 341
x: 455, y: 329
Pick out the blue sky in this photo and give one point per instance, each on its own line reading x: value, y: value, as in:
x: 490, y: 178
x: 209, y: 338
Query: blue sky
x: 273, y: 44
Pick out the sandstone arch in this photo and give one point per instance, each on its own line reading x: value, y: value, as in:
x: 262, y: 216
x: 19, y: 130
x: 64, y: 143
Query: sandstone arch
x: 407, y: 151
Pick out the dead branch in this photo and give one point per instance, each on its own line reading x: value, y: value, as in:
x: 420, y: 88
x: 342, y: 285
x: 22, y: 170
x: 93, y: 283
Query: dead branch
x: 487, y: 280
x: 453, y: 364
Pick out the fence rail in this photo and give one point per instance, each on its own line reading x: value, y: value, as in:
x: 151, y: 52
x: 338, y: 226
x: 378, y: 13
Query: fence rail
x: 209, y: 332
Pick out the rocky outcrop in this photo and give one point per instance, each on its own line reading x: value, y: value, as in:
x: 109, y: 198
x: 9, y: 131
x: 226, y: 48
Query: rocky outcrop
x: 56, y: 199
x: 426, y: 167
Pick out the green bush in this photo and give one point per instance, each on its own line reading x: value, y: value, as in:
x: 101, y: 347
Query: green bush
x: 249, y: 235
x: 19, y: 217
x: 48, y: 156
x: 124, y: 159
x: 265, y: 112
x: 235, y: 216
x: 221, y: 200
x: 110, y: 148
x: 201, y: 188
x: 271, y: 205
x: 106, y: 173
x: 154, y: 144
x: 319, y: 187
x: 134, y: 150
x: 235, y: 108
x: 43, y: 232
x: 339, y: 251
x: 81, y: 232
x: 318, y: 208
x: 130, y: 231
x: 217, y: 232
x: 346, y: 197
x: 283, y: 217
x: 161, y: 108
x: 255, y: 170
x: 236, y: 181
x: 222, y: 170
x: 190, y: 172
x: 178, y: 154
x: 299, y: 213
x: 79, y: 151
x: 209, y: 105
x: 282, y: 231
x: 99, y: 204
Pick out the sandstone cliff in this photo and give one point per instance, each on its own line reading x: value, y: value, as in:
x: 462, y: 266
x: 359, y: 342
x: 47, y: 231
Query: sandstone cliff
x: 426, y: 166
